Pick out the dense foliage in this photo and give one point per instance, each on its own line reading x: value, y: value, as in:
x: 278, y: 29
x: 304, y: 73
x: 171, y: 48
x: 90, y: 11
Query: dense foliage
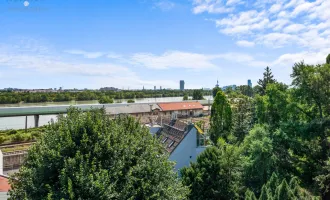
x: 13, y: 136
x: 279, y: 136
x: 8, y: 97
x: 221, y: 118
x: 197, y: 95
x: 89, y: 156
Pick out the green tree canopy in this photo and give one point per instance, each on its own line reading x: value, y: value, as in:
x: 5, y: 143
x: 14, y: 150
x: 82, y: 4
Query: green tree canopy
x: 268, y: 78
x: 312, y: 85
x: 242, y: 118
x: 215, y: 91
x: 197, y: 95
x: 89, y: 156
x: 221, y: 118
x: 327, y: 61
x: 216, y: 174
x: 185, y: 97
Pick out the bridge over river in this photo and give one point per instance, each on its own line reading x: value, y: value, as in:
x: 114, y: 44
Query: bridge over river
x: 36, y: 111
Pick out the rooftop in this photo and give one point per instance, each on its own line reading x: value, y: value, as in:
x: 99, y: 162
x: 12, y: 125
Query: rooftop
x: 180, y: 106
x: 131, y: 108
x: 4, y: 185
x: 172, y: 133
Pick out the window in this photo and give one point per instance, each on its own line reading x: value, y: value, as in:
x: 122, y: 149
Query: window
x: 171, y: 144
x: 164, y: 140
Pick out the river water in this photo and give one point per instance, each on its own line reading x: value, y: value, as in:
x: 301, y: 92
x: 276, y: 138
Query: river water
x: 19, y: 122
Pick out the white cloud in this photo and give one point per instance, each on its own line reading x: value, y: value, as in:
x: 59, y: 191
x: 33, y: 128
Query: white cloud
x: 277, y: 40
x: 316, y: 57
x: 164, y: 5
x: 114, y: 55
x: 294, y: 28
x: 278, y: 24
x: 242, y: 58
x: 275, y: 8
x: 233, y: 2
x: 244, y: 22
x: 85, y: 53
x: 174, y: 59
x: 244, y: 43
x: 211, y: 6
x: 273, y: 23
x: 303, y: 7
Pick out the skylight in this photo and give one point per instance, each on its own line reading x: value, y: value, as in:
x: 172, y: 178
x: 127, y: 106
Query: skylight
x: 171, y: 144
x: 164, y: 140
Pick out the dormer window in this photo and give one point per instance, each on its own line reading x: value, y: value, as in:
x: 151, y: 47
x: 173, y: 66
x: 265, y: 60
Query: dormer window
x: 171, y: 144
x: 164, y: 140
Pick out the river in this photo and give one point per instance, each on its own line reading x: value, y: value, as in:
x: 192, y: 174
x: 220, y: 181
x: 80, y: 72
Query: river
x: 19, y: 122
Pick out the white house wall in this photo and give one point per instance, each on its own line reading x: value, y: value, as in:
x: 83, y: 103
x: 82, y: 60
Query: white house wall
x: 186, y: 151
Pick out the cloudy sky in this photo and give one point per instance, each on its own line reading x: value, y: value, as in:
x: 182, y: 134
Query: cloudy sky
x: 136, y: 43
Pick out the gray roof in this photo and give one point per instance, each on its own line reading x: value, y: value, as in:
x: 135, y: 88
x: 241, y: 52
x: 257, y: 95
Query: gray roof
x: 131, y: 108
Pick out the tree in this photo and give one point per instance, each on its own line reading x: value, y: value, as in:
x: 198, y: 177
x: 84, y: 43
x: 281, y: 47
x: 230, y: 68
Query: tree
x: 268, y: 78
x: 197, y: 95
x: 284, y: 192
x: 221, y: 118
x: 323, y: 180
x: 215, y: 174
x: 105, y: 99
x: 90, y: 156
x: 246, y: 90
x: 260, y: 158
x: 249, y: 195
x: 185, y: 97
x: 215, y: 91
x: 242, y: 118
x: 312, y: 85
x: 328, y: 59
x: 265, y: 193
x: 276, y: 104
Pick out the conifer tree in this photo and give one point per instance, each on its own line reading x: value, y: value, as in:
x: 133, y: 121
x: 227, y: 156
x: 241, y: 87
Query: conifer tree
x: 221, y: 118
x: 265, y: 193
x: 267, y: 79
x: 249, y: 195
x: 273, y: 183
x: 283, y: 192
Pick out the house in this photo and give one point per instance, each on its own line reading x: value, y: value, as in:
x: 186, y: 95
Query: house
x: 136, y: 110
x: 181, y: 109
x: 184, y: 142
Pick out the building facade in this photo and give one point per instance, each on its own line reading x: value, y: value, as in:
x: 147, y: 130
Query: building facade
x: 182, y: 85
x: 181, y: 109
x: 249, y: 83
x: 180, y: 140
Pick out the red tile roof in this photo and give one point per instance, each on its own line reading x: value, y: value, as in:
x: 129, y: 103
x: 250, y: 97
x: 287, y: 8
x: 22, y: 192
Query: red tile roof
x: 180, y: 106
x: 4, y: 185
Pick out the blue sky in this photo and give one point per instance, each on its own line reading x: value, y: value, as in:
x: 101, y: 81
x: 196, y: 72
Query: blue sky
x: 136, y: 43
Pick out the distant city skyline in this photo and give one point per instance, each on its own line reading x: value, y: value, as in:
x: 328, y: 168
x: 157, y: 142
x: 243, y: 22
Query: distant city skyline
x: 181, y: 87
x: 94, y: 44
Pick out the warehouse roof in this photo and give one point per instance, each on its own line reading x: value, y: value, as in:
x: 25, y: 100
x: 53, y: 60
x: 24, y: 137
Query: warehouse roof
x: 180, y: 106
x: 131, y: 108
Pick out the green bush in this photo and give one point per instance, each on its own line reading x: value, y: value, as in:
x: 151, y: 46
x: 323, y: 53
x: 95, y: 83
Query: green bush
x: 12, y: 132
